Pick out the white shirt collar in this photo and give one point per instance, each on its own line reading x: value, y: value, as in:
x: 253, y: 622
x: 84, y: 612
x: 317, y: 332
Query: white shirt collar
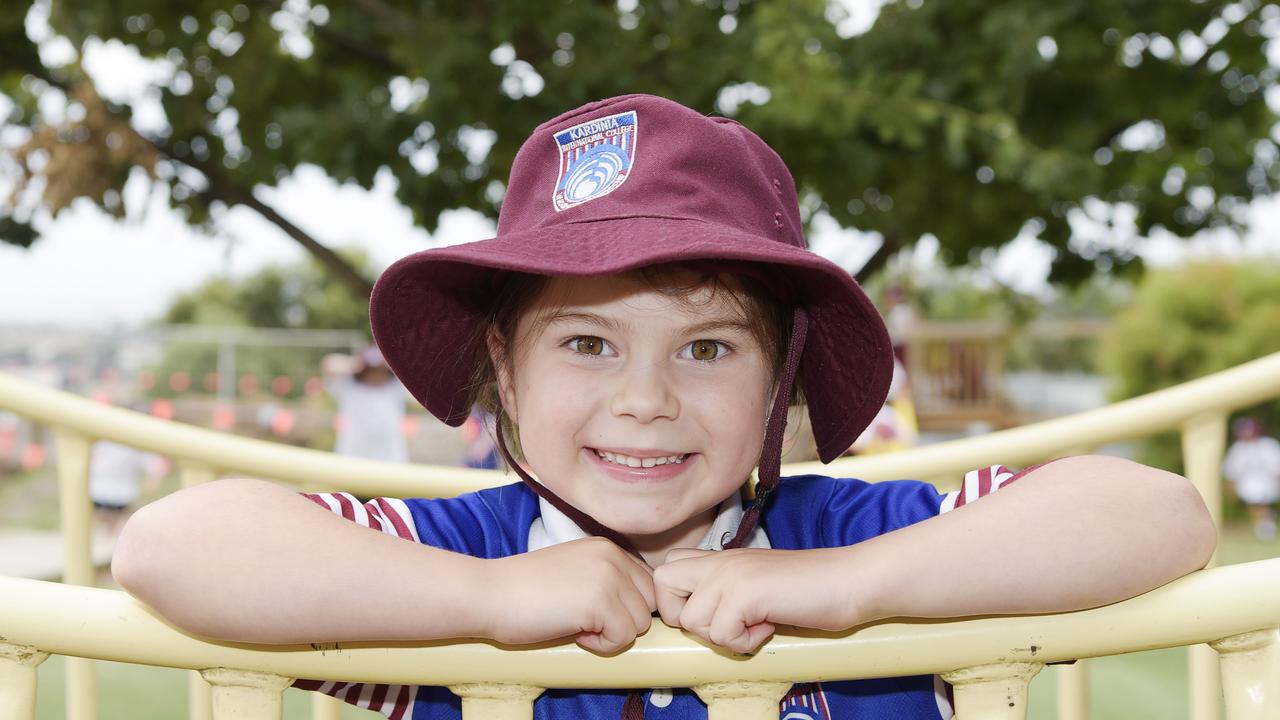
x: 554, y: 527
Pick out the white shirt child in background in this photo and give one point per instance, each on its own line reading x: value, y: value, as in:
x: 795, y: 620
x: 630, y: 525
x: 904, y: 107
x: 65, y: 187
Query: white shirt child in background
x: 371, y: 405
x: 1252, y: 465
x: 116, y: 476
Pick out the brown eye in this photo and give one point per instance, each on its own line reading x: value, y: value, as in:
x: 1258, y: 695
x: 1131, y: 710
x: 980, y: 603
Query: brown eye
x: 588, y: 345
x: 704, y: 349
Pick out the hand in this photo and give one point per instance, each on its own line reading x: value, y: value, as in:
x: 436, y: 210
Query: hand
x: 735, y: 598
x: 589, y: 589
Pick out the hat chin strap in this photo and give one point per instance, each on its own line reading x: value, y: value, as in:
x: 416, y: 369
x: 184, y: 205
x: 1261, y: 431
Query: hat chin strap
x: 770, y: 455
x: 775, y: 427
x: 583, y: 520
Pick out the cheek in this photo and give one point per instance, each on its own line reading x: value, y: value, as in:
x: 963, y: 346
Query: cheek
x: 733, y: 410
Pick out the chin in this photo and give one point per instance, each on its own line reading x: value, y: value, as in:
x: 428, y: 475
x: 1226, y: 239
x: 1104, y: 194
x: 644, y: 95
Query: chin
x: 641, y: 525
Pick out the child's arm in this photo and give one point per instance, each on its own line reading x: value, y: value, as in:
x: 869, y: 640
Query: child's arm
x: 251, y: 561
x: 1076, y: 533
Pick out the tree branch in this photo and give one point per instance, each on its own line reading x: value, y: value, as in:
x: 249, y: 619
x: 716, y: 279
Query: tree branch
x: 228, y: 191
x: 892, y: 243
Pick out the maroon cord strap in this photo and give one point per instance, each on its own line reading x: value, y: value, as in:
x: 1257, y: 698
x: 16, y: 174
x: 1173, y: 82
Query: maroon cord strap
x: 774, y: 431
x: 588, y: 524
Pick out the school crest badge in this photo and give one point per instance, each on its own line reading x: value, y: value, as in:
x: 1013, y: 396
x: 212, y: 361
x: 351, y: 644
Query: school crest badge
x: 805, y: 701
x: 595, y: 159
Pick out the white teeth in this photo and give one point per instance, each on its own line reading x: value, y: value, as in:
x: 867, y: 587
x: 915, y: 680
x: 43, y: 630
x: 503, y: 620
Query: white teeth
x: 635, y: 462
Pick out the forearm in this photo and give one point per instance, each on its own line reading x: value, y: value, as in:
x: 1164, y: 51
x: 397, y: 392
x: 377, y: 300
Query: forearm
x: 1077, y: 533
x: 252, y: 561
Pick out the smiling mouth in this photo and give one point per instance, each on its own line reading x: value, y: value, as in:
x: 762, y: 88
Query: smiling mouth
x: 635, y: 462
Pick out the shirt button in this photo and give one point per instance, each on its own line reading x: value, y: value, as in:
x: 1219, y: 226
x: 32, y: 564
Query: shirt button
x: 660, y: 697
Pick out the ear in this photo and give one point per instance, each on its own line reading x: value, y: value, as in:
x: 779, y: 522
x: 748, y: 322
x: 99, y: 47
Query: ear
x: 501, y: 359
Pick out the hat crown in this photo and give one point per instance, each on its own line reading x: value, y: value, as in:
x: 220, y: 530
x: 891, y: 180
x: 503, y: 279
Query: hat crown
x: 645, y: 156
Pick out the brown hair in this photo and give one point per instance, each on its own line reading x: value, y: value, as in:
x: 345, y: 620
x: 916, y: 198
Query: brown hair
x: 769, y: 321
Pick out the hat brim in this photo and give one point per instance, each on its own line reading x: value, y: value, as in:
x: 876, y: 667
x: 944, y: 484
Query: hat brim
x: 427, y: 309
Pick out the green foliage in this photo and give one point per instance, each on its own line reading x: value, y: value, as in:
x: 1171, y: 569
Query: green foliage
x: 1190, y: 322
x: 299, y: 296
x: 965, y: 119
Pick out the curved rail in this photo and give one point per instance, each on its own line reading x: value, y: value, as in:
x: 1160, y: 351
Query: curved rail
x: 1202, y: 607
x: 1241, y: 386
x: 1198, y: 409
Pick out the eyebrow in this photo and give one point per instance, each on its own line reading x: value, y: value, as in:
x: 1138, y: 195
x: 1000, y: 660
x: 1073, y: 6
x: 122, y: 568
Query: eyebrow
x: 587, y: 318
x: 611, y: 324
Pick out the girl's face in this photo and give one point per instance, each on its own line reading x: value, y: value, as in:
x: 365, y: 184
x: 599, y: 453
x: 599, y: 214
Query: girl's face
x: 643, y: 410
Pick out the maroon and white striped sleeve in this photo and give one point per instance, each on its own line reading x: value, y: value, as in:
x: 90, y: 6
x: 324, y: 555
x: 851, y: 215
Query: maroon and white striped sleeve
x: 390, y: 516
x: 394, y: 701
x: 980, y: 483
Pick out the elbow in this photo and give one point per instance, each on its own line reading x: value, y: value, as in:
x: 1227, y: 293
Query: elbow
x: 140, y: 561
x: 1188, y: 524
x: 1202, y: 532
x: 1164, y: 509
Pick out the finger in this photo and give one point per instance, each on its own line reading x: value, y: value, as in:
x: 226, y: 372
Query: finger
x: 617, y: 630
x: 594, y: 642
x: 700, y: 609
x: 670, y: 602
x: 640, y: 576
x: 638, y: 608
x: 753, y: 637
x: 672, y: 585
x: 730, y: 624
x: 686, y: 554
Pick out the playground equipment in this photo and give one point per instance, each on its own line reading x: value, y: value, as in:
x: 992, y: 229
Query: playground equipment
x: 989, y: 661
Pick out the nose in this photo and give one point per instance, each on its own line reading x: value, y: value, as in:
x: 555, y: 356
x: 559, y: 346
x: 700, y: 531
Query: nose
x: 644, y: 392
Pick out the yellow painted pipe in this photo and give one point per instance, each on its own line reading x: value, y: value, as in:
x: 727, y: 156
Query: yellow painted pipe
x: 1251, y: 674
x: 246, y: 695
x: 496, y: 700
x: 244, y: 456
x: 1242, y: 386
x: 741, y: 700
x: 1203, y: 443
x: 72, y: 449
x: 1202, y: 607
x: 18, y: 665
x: 996, y: 691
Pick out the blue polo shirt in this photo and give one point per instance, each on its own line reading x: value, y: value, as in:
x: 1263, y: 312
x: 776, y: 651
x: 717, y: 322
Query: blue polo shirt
x: 805, y: 512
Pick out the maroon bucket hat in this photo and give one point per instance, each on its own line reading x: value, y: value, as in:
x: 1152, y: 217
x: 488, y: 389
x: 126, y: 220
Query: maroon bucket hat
x: 620, y: 184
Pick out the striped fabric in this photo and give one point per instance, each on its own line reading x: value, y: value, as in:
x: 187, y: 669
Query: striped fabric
x: 390, y: 516
x: 980, y: 483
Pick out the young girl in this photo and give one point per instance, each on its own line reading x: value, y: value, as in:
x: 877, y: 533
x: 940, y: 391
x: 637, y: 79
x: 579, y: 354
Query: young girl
x: 640, y: 324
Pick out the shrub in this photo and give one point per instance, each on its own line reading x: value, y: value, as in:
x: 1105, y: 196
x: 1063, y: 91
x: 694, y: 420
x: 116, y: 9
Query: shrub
x: 1190, y: 322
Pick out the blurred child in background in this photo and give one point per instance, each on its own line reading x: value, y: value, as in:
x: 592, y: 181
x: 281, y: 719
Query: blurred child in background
x: 117, y: 476
x: 1252, y: 465
x: 370, y: 406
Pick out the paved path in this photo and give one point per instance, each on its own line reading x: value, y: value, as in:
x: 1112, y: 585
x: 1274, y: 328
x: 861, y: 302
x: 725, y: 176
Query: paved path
x: 38, y: 553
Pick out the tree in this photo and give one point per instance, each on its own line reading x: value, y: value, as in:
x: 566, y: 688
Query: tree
x: 290, y: 296
x: 1190, y: 322
x: 967, y: 120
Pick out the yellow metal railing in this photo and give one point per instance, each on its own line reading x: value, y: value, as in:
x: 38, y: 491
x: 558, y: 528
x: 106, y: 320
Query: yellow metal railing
x: 964, y: 651
x: 1225, y: 606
